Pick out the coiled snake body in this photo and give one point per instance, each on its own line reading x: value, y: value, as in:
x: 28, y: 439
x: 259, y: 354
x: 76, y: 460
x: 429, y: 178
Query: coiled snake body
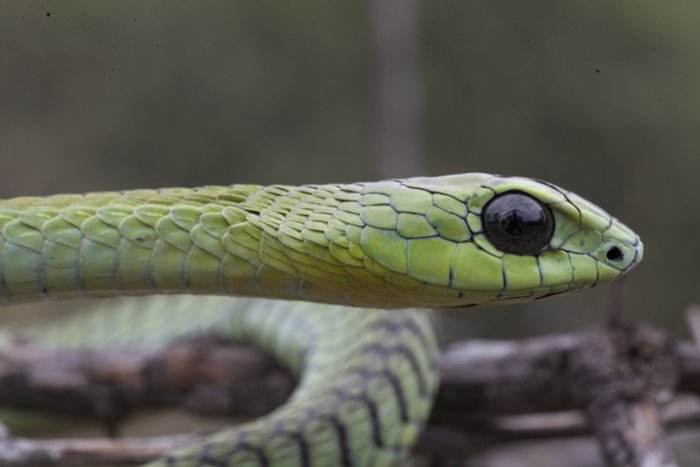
x: 367, y: 376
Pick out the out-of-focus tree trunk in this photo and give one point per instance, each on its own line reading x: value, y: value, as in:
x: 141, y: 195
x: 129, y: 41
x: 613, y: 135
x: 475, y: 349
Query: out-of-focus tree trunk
x: 399, y: 87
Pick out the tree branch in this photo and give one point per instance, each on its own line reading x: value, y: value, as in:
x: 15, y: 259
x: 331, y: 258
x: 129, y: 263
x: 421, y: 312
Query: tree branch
x: 618, y: 377
x: 85, y: 452
x: 203, y: 374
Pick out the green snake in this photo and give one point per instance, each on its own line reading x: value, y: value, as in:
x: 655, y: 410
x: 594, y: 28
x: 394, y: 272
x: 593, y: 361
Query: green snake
x: 367, y: 377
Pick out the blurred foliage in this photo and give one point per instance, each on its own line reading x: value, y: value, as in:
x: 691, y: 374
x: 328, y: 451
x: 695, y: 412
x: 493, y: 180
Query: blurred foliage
x: 602, y: 98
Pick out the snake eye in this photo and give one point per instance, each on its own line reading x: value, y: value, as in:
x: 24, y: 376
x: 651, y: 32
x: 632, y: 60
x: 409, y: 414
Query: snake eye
x: 517, y: 223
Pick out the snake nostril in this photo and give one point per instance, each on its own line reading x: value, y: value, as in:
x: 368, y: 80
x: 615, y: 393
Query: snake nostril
x: 614, y: 254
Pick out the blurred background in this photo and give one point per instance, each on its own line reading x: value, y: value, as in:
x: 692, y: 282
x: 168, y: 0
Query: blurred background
x: 602, y: 98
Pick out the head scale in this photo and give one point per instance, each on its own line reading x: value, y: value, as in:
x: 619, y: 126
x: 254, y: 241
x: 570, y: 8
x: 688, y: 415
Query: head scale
x: 477, y: 239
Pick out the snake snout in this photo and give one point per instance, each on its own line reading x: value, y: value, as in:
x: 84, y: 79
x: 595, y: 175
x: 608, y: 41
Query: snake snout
x: 620, y: 253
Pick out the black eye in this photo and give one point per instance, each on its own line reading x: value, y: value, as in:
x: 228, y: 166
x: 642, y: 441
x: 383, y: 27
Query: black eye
x: 517, y: 223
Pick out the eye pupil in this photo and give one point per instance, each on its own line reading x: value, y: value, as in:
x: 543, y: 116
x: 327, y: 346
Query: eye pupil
x: 513, y: 224
x: 517, y: 223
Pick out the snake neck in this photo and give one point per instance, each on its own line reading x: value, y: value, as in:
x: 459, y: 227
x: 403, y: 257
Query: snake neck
x: 276, y: 241
x: 311, y: 243
x: 314, y: 242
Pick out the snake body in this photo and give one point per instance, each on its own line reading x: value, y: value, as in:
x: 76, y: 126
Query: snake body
x: 367, y: 376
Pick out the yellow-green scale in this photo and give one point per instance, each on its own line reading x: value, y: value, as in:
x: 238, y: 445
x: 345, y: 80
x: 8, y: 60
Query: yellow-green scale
x: 244, y: 240
x: 106, y: 243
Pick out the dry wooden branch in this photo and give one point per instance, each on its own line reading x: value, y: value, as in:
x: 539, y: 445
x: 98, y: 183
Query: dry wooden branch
x: 202, y: 374
x: 85, y: 452
x: 618, y: 376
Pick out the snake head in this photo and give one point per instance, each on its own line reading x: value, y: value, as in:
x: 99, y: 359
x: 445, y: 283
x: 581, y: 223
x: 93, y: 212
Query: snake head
x: 478, y: 239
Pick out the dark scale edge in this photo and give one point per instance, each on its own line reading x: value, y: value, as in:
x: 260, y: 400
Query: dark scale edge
x: 371, y: 406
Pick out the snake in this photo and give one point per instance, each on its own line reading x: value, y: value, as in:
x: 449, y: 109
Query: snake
x: 334, y: 280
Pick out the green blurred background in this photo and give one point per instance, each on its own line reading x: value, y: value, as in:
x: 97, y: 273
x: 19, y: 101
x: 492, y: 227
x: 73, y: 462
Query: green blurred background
x: 602, y: 98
